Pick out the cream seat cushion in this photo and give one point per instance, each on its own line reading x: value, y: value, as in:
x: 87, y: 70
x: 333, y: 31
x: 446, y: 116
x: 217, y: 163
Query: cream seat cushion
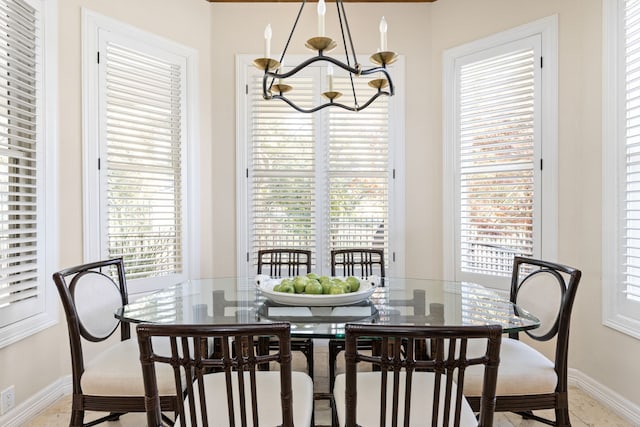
x: 368, y: 408
x: 268, y: 389
x: 522, y: 370
x: 117, y: 372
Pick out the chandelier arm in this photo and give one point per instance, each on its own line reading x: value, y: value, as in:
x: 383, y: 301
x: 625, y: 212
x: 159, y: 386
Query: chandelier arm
x: 286, y: 46
x: 330, y: 104
x: 295, y: 24
x: 340, y: 4
x: 309, y: 61
x: 373, y: 98
x: 341, y: 14
x: 266, y: 93
x: 384, y: 71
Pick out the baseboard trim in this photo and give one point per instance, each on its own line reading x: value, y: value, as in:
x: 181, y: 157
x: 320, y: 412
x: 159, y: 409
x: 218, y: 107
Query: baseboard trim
x: 614, y: 401
x: 30, y: 408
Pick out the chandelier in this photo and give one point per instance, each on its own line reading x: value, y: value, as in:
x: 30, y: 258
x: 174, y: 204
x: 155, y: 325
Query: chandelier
x: 274, y: 84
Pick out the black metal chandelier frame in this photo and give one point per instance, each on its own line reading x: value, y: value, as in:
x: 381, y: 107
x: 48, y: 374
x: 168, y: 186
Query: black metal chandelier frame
x: 272, y: 90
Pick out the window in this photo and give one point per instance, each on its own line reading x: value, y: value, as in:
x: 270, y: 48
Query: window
x: 500, y: 153
x: 621, y: 173
x: 320, y: 181
x: 27, y: 158
x: 138, y: 91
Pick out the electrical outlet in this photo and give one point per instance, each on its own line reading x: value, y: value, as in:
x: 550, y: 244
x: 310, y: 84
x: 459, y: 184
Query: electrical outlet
x: 7, y: 399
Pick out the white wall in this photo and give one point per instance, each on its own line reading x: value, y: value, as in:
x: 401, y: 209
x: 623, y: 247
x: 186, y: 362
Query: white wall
x: 421, y: 32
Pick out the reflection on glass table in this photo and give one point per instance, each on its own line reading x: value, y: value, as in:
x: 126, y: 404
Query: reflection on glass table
x: 398, y: 301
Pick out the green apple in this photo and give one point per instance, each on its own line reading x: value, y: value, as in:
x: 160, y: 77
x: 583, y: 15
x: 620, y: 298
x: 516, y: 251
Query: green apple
x: 299, y: 283
x: 326, y: 285
x: 286, y: 281
x: 312, y: 275
x: 287, y: 288
x: 336, y: 289
x: 313, y: 287
x: 354, y: 282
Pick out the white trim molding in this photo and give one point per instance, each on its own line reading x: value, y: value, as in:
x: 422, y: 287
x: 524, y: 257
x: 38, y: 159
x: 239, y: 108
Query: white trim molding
x: 617, y: 313
x: 546, y: 245
x: 96, y: 27
x: 607, y: 397
x: 49, y: 243
x: 32, y: 407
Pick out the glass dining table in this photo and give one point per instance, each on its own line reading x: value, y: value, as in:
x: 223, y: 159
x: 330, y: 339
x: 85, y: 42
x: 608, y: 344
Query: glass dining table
x: 395, y: 301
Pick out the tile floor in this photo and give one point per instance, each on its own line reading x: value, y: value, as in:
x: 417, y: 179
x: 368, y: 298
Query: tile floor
x: 585, y: 411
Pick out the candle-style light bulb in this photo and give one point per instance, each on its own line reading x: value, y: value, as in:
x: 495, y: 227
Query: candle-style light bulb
x: 330, y: 76
x: 322, y: 9
x: 383, y: 35
x: 267, y: 41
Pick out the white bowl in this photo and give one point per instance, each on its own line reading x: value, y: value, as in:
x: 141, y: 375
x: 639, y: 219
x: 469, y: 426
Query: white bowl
x: 266, y: 284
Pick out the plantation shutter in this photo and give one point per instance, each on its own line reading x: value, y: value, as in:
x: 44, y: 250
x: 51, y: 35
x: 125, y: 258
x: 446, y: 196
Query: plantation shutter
x: 358, y: 172
x: 316, y: 181
x: 21, y: 291
x: 283, y: 167
x: 630, y: 221
x: 496, y: 159
x: 143, y: 151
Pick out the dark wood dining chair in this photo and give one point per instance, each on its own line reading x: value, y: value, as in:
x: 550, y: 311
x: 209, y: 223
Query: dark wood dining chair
x: 528, y: 380
x: 359, y: 262
x: 112, y: 380
x: 225, y: 388
x: 284, y: 262
x: 362, y: 263
x: 287, y: 263
x: 412, y: 309
x: 419, y: 391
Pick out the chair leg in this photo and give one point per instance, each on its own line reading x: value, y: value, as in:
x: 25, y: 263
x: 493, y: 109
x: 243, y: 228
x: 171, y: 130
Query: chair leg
x: 309, y: 355
x: 77, y: 418
x: 335, y: 347
x: 562, y: 417
x: 334, y: 413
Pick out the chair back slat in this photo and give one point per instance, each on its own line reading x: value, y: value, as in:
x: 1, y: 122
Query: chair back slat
x: 235, y: 361
x: 359, y: 262
x: 403, y: 370
x: 291, y: 262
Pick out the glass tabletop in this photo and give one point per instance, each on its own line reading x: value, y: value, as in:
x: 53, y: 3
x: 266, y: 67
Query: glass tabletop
x: 398, y: 301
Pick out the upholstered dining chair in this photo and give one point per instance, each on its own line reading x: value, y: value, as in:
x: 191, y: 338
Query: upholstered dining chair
x: 359, y: 262
x: 419, y: 391
x: 112, y: 380
x: 527, y: 380
x: 226, y: 389
x: 286, y: 263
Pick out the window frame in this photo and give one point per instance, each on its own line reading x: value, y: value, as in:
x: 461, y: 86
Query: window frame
x: 616, y: 313
x: 48, y: 181
x: 92, y: 24
x: 396, y: 239
x: 547, y: 29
